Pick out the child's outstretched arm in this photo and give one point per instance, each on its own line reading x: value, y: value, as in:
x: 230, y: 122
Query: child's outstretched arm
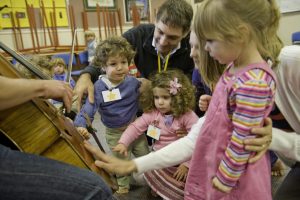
x: 121, y: 148
x: 135, y: 129
x: 111, y: 163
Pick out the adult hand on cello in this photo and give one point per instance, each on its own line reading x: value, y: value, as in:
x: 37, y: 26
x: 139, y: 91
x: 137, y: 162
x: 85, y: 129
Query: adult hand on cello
x: 110, y: 163
x: 58, y: 90
x: 21, y: 90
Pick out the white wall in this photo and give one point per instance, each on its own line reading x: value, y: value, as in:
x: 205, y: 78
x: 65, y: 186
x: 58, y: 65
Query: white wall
x: 290, y: 22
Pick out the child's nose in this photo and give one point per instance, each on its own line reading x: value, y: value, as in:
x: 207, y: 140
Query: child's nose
x: 206, y: 47
x: 160, y: 101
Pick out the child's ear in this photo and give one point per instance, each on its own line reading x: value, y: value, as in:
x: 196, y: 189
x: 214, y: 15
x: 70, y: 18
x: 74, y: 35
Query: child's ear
x: 245, y: 33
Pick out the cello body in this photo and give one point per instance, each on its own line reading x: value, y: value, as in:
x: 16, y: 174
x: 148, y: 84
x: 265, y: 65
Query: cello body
x: 37, y: 127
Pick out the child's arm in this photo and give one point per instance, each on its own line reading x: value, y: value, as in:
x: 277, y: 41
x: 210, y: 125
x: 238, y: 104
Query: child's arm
x: 89, y: 109
x: 135, y: 129
x: 247, y: 113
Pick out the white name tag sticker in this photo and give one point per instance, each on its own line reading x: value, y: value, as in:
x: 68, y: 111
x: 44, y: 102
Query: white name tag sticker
x: 111, y: 95
x: 153, y: 132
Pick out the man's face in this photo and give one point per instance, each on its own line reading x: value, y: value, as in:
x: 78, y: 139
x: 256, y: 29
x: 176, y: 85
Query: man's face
x: 166, y: 37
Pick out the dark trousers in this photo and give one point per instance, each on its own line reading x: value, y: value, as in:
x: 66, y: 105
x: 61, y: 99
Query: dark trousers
x: 26, y: 176
x: 290, y: 189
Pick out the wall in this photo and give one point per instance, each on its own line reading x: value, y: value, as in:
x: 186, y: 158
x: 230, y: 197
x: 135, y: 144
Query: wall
x: 290, y: 22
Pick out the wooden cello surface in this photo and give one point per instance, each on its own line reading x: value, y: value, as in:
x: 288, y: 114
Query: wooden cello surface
x: 37, y: 127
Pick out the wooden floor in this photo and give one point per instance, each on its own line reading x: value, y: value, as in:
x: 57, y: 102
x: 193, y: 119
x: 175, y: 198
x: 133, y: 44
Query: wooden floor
x: 140, y: 192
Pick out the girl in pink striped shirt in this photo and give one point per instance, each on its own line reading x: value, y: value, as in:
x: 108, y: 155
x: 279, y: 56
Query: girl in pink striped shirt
x: 241, y: 35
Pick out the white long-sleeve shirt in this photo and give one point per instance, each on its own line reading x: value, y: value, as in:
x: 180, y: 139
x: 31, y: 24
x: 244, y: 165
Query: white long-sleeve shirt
x: 287, y: 99
x: 285, y: 144
x: 175, y: 153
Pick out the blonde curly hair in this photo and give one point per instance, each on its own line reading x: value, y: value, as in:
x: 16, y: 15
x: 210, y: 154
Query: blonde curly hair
x: 183, y: 101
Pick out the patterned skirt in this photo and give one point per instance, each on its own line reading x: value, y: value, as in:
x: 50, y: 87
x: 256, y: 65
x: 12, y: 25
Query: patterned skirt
x: 162, y: 182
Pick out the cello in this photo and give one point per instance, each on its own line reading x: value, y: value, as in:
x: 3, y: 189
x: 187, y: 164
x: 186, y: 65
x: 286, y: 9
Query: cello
x: 37, y: 127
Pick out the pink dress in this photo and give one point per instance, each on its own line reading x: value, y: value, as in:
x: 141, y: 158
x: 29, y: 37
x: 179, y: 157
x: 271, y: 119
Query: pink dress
x: 254, y: 183
x: 161, y: 181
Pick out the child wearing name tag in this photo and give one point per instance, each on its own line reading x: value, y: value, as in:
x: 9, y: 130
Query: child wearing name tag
x: 116, y: 99
x: 168, y: 106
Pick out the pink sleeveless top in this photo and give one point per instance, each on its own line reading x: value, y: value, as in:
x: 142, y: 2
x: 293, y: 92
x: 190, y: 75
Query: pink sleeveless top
x: 216, y: 132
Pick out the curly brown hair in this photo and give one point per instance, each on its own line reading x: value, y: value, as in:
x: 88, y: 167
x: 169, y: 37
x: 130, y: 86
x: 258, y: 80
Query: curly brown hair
x: 41, y: 63
x: 112, y: 46
x: 182, y: 102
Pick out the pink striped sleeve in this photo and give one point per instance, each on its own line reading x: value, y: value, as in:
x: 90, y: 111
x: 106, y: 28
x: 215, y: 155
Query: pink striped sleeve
x: 250, y: 100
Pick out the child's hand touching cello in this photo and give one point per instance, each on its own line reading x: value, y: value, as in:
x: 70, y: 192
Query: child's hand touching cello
x: 204, y: 102
x: 220, y: 186
x: 110, y: 163
x: 181, y: 173
x: 83, y: 132
x: 121, y: 148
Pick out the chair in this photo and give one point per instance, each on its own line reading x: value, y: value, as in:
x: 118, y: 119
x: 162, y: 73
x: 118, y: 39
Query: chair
x: 76, y: 73
x: 83, y: 58
x: 296, y: 38
x: 65, y: 57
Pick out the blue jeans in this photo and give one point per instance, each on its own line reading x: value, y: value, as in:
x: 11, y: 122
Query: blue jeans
x: 27, y: 176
